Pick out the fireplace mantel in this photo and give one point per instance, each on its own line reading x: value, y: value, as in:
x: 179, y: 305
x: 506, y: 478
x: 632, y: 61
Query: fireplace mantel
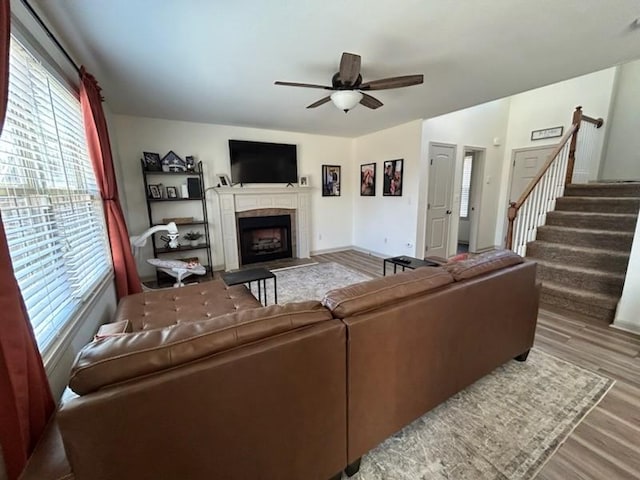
x: 237, y: 199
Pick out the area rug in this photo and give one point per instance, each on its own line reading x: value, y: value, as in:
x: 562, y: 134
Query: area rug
x: 313, y: 281
x: 504, y: 426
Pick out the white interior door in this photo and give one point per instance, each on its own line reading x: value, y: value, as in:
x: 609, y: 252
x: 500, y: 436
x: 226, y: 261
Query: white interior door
x: 477, y: 174
x: 441, y: 166
x: 527, y: 162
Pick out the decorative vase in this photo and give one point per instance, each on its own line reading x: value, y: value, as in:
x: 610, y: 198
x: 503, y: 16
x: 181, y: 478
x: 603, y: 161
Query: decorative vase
x: 194, y: 243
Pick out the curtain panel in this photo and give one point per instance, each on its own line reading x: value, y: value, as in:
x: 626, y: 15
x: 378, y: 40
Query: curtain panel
x: 26, y: 403
x: 126, y: 273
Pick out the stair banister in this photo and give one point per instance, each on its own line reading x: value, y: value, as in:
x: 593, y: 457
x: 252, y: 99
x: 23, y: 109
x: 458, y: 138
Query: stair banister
x: 548, y: 185
x: 514, y: 207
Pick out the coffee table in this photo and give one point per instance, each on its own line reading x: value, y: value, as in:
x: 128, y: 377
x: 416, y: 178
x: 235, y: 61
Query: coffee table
x: 406, y: 262
x: 258, y: 275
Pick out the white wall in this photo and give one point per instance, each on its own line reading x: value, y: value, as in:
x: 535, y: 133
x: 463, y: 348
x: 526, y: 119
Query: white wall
x: 545, y: 107
x: 476, y: 128
x: 622, y: 159
x: 331, y: 217
x: 628, y: 312
x: 387, y: 225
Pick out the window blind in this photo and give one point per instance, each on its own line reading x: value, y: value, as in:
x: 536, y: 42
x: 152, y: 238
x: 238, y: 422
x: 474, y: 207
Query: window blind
x: 50, y: 203
x: 466, y: 185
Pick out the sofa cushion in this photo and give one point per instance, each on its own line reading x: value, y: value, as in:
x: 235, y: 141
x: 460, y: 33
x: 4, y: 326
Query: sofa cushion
x: 365, y: 296
x: 117, y: 359
x: 162, y: 308
x: 483, y: 263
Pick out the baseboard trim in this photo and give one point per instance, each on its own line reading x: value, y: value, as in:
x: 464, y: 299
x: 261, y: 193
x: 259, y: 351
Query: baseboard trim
x: 330, y: 250
x: 370, y: 252
x: 626, y: 326
x: 351, y: 247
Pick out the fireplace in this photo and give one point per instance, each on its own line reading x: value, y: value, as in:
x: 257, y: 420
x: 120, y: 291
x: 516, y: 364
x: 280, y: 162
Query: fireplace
x: 264, y: 238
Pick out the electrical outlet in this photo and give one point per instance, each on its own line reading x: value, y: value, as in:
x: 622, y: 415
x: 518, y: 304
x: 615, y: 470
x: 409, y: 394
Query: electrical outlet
x: 319, y: 236
x: 385, y: 239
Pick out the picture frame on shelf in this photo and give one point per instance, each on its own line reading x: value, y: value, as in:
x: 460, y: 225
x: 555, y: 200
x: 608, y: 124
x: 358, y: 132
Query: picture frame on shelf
x: 152, y: 162
x: 223, y: 180
x: 172, y: 192
x: 190, y: 163
x: 304, y: 181
x: 155, y: 192
x: 171, y: 162
x: 368, y: 180
x: 392, y: 180
x: 331, y: 178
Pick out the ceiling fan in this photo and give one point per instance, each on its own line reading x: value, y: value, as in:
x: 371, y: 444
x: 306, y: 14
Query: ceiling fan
x: 348, y: 89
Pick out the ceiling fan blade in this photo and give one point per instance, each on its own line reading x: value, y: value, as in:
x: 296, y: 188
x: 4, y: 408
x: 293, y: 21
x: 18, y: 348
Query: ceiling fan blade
x: 349, y: 68
x: 392, y: 82
x: 370, y: 102
x: 306, y: 85
x: 322, y: 101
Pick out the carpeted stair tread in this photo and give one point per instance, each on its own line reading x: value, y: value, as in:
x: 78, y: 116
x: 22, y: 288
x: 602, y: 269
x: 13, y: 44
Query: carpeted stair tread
x: 582, y: 250
x: 591, y: 220
x: 596, y: 305
x: 586, y: 237
x: 629, y: 205
x: 585, y: 297
x: 622, y: 189
x: 590, y: 279
x: 595, y: 258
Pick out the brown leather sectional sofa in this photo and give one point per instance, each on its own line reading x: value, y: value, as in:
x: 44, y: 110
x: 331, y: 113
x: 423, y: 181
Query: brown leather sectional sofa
x: 208, y: 384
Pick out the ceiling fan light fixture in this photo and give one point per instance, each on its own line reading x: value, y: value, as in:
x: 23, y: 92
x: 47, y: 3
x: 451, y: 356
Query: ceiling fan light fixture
x: 346, y: 99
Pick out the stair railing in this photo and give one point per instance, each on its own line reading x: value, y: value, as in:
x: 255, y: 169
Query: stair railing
x: 530, y: 210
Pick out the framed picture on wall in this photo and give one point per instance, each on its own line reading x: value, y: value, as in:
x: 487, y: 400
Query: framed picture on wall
x: 304, y: 181
x: 547, y: 133
x: 331, y: 180
x: 368, y: 180
x: 392, y: 180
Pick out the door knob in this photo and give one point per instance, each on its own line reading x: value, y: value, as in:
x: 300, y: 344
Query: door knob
x: 448, y: 212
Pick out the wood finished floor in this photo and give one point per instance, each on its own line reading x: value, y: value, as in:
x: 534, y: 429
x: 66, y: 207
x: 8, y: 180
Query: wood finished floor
x: 606, y: 444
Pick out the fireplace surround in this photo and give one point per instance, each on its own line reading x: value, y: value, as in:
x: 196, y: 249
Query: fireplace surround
x: 236, y: 203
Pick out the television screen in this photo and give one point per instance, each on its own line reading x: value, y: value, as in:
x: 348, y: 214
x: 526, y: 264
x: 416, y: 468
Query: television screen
x: 258, y: 162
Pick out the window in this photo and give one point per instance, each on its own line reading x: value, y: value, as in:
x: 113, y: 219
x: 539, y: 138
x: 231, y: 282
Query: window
x: 467, y: 165
x: 51, y: 207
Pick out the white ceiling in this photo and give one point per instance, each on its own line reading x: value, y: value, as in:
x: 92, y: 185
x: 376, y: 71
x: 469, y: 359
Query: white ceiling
x: 216, y: 61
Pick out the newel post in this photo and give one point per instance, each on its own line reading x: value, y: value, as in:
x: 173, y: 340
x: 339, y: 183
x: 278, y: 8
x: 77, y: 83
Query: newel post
x: 512, y: 212
x: 577, y: 119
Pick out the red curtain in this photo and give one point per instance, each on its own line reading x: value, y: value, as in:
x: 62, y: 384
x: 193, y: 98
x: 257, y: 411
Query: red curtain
x: 127, y: 280
x: 26, y: 403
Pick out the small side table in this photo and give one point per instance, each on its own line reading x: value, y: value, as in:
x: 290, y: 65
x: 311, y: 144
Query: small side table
x: 259, y: 275
x: 406, y: 262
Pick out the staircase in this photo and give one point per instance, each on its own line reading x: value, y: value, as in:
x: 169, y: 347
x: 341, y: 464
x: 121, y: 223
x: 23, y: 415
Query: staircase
x: 583, y: 249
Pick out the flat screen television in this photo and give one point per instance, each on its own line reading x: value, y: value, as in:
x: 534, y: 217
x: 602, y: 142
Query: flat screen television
x: 259, y: 162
